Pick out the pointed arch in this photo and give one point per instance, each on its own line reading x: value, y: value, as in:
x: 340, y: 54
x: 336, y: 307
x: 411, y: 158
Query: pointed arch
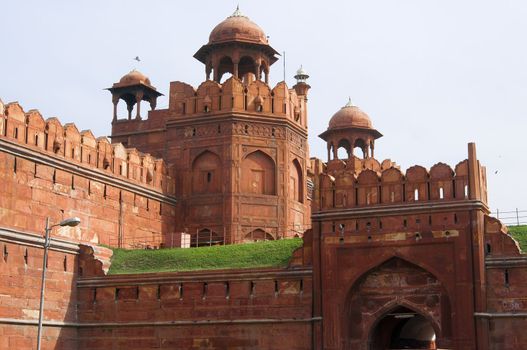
x: 384, y: 288
x: 258, y: 174
x: 225, y: 66
x: 258, y: 235
x: 345, y: 145
x: 246, y: 65
x: 402, y: 324
x: 296, y: 181
x: 206, y: 173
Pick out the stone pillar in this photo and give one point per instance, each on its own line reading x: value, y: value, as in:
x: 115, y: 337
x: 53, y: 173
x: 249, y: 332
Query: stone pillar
x: 153, y: 103
x: 115, y: 101
x: 129, y: 107
x: 138, y: 98
x: 208, y: 70
x: 258, y: 67
x: 215, y: 74
x: 235, y: 69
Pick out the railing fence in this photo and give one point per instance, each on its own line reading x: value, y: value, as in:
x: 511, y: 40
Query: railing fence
x: 515, y: 217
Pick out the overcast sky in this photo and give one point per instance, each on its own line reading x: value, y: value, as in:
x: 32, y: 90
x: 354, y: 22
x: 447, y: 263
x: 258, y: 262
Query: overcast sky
x: 432, y: 75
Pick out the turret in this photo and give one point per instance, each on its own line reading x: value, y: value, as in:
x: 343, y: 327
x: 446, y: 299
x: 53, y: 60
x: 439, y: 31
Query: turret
x: 133, y: 88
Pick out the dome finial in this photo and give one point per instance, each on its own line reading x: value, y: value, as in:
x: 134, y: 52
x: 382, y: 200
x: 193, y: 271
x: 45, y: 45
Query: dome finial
x: 349, y: 104
x: 237, y: 12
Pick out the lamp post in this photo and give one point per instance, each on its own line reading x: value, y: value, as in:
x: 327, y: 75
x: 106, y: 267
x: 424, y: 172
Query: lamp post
x: 47, y: 242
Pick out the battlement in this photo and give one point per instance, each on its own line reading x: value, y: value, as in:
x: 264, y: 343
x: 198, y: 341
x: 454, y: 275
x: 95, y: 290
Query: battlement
x: 232, y: 96
x: 367, y: 182
x: 82, y: 148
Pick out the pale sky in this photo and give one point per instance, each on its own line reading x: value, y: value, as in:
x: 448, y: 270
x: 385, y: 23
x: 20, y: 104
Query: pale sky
x: 432, y: 75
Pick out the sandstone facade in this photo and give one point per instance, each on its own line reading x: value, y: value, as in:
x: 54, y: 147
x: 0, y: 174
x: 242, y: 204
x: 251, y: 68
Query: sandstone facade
x: 391, y: 258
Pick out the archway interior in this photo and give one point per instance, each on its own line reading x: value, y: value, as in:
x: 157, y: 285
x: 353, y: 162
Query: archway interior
x: 402, y: 328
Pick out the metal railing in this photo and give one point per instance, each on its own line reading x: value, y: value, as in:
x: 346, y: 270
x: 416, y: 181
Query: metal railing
x: 198, y: 238
x: 515, y: 217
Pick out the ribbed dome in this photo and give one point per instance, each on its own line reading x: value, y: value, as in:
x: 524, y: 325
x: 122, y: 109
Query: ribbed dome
x: 238, y: 27
x: 133, y: 78
x: 350, y: 116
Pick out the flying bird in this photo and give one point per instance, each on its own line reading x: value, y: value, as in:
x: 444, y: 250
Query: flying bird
x: 137, y: 59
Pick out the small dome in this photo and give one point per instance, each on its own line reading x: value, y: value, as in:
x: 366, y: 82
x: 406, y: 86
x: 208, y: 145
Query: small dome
x: 238, y: 27
x: 350, y: 116
x: 133, y: 78
x: 301, y: 71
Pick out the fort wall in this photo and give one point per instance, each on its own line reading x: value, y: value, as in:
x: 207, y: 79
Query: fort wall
x: 122, y: 197
x: 21, y: 273
x: 245, y: 309
x: 506, y: 276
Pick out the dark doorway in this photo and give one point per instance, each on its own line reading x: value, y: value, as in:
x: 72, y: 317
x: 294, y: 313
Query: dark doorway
x: 403, y: 328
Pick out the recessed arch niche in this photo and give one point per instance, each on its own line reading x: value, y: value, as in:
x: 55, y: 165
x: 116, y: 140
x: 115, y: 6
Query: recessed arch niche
x: 206, y: 173
x: 258, y: 174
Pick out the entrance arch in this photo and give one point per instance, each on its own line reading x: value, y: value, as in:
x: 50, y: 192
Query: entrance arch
x: 381, y: 303
x: 402, y: 328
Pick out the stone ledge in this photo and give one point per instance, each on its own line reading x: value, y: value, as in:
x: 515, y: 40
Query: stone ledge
x: 14, y: 321
x: 399, y: 209
x: 35, y: 240
x: 191, y: 276
x: 500, y: 314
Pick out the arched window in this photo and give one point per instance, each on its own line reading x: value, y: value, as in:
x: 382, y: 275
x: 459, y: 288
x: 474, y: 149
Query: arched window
x: 245, y: 66
x: 206, y: 173
x: 358, y: 148
x: 257, y: 236
x: 225, y: 66
x: 344, y: 149
x: 296, y: 182
x: 258, y: 174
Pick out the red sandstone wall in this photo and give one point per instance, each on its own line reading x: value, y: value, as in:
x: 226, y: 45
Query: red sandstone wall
x: 52, y: 171
x: 235, y: 309
x: 506, y: 271
x: 20, y: 276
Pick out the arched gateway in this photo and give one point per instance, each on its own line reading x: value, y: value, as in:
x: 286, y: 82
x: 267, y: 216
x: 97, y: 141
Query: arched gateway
x: 397, y: 305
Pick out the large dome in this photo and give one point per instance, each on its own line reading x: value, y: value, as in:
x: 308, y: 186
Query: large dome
x: 350, y: 116
x: 238, y: 27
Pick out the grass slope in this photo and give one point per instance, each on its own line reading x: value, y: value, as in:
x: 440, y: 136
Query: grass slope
x: 520, y: 234
x: 236, y: 256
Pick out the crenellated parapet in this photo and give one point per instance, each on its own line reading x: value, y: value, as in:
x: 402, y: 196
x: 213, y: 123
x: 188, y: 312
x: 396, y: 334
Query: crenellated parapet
x: 50, y: 137
x: 366, y: 182
x: 236, y: 96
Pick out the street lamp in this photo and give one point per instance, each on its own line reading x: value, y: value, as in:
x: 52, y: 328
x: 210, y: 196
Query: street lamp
x: 71, y: 222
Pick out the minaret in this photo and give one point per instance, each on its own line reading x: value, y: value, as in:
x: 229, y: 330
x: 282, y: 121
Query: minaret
x: 301, y: 86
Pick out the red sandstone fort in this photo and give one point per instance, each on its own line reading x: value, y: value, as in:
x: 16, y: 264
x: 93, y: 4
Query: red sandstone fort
x: 410, y: 255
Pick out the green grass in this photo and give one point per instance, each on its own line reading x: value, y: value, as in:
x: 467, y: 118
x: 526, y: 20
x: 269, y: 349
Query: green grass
x: 236, y: 256
x: 520, y: 234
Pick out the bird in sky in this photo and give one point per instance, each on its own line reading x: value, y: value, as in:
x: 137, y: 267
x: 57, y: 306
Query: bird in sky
x: 137, y: 59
